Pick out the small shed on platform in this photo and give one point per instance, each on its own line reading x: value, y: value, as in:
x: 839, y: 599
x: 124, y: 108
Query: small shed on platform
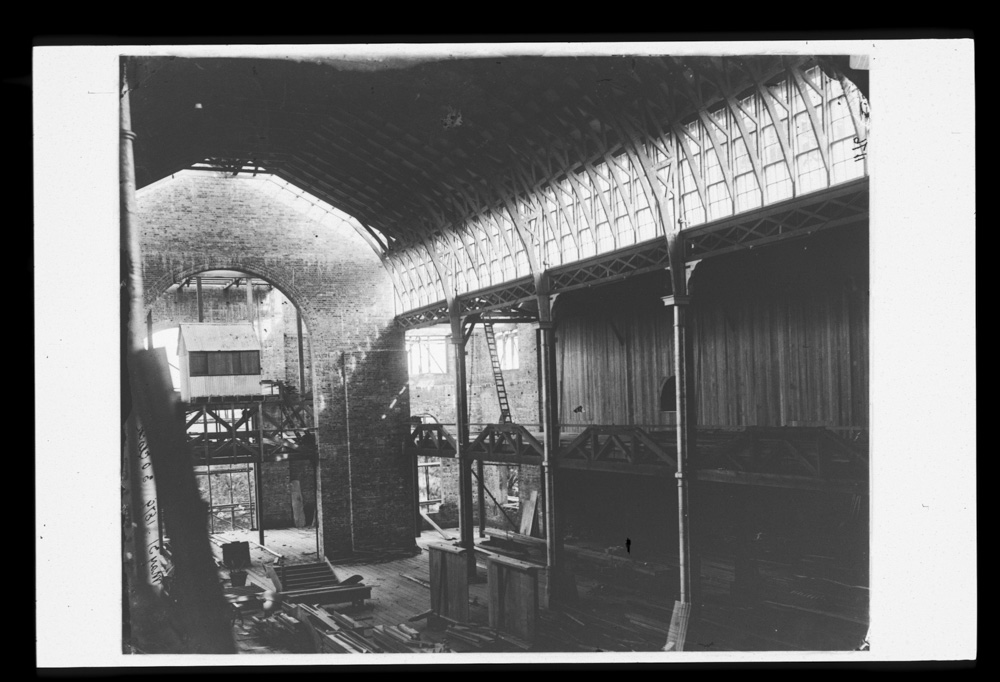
x: 218, y: 359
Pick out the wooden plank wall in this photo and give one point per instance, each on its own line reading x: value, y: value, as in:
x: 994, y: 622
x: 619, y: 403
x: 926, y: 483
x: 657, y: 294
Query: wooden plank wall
x: 780, y: 337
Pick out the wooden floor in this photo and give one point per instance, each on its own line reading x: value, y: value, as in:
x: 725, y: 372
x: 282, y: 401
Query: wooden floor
x: 394, y: 599
x: 811, y: 603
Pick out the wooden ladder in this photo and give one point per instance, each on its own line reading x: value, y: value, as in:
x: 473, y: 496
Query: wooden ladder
x: 491, y: 343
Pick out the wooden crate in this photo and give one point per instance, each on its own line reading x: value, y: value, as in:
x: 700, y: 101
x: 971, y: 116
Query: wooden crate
x: 449, y: 577
x: 513, y: 601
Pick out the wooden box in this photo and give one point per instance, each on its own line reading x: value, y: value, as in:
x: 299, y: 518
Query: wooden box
x: 449, y: 570
x: 513, y: 587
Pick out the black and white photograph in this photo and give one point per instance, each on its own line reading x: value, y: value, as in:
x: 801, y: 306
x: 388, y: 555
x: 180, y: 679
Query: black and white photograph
x: 513, y: 352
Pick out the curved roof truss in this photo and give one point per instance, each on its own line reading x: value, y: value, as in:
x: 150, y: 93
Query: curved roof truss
x: 466, y: 173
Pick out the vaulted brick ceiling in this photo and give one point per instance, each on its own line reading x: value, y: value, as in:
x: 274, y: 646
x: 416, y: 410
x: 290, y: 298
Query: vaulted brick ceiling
x: 420, y: 144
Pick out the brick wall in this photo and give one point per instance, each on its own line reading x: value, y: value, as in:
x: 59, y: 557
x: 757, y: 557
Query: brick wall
x: 181, y: 305
x: 276, y: 506
x: 198, y: 221
x: 292, y: 358
x: 277, y: 503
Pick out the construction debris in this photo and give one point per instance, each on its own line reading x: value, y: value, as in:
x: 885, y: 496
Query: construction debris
x: 282, y: 631
x: 334, y: 632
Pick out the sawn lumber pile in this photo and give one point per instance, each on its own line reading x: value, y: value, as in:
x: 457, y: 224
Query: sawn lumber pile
x: 313, y: 628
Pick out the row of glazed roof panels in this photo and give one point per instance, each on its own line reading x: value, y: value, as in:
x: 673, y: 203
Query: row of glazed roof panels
x: 498, y: 168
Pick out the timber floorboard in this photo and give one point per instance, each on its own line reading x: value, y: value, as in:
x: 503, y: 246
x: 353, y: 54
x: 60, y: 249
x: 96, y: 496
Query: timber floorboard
x: 809, y: 604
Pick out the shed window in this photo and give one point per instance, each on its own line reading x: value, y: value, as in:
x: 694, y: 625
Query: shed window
x: 224, y: 363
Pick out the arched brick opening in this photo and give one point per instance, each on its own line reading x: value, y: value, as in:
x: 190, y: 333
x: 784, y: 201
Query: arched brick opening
x: 272, y: 277
x: 194, y: 223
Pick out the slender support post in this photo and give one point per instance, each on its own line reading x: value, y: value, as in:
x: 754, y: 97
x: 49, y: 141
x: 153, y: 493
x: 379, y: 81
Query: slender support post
x: 482, y: 498
x: 201, y: 301
x: 415, y: 472
x: 465, y: 520
x: 347, y: 438
x: 318, y: 505
x: 149, y: 345
x: 550, y: 413
x: 259, y: 477
x: 302, y: 355
x: 629, y: 380
x: 680, y: 364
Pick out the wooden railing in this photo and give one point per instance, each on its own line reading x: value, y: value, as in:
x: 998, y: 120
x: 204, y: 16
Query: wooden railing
x: 506, y: 443
x: 431, y: 440
x: 616, y: 444
x: 793, y: 450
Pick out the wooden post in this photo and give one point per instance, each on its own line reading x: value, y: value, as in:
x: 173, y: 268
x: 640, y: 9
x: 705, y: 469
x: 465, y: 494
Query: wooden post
x: 465, y: 519
x: 149, y: 330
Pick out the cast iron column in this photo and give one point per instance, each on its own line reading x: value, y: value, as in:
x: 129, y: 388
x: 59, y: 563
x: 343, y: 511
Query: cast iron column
x: 685, y: 443
x: 550, y: 422
x: 679, y: 302
x: 465, y: 520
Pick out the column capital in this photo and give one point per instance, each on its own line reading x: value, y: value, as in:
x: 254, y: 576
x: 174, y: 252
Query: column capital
x: 546, y: 324
x: 676, y: 300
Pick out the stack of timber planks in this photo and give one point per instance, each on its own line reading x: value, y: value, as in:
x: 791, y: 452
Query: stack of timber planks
x: 469, y: 637
x: 315, y: 583
x: 337, y: 633
x: 608, y: 630
x: 283, y: 630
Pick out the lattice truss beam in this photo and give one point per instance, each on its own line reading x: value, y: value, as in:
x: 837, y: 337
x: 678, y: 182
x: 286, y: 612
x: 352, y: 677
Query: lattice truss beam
x: 797, y: 457
x: 840, y: 206
x: 794, y: 132
x: 250, y: 431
